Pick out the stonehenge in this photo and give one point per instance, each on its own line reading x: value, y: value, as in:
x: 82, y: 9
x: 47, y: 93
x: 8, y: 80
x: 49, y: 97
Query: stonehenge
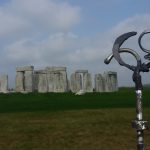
x: 55, y: 79
x: 40, y: 79
x: 99, y: 83
x: 81, y: 80
x: 51, y: 79
x: 3, y: 84
x: 24, y: 79
x: 107, y: 82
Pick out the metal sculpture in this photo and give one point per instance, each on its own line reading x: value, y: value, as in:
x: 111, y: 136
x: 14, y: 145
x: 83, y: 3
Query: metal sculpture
x: 139, y: 124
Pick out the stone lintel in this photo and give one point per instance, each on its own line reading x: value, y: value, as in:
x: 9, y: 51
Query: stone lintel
x: 25, y: 68
x: 110, y: 73
x: 40, y: 72
x: 81, y: 71
x: 55, y: 69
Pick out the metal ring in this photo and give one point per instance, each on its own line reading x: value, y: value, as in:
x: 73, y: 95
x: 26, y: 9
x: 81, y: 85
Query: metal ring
x: 116, y: 47
x: 139, y: 41
x: 117, y: 44
x: 125, y: 50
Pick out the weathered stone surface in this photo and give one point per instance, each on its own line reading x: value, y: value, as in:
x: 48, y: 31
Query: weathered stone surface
x: 107, y: 82
x: 111, y: 83
x: 36, y: 78
x: 35, y: 81
x: 28, y: 82
x: 63, y: 81
x: 25, y: 68
x: 42, y: 83
x: 99, y: 83
x: 54, y: 79
x: 4, y: 83
x: 58, y: 83
x: 113, y: 80
x: 57, y: 79
x: 75, y: 82
x: 50, y: 82
x: 81, y: 92
x: 68, y: 85
x: 81, y: 80
x: 87, y: 82
x: 81, y: 71
x: 24, y: 79
x: 20, y: 81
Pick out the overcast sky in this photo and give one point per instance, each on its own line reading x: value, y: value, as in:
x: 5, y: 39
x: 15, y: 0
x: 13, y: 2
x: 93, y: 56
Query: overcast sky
x: 78, y: 34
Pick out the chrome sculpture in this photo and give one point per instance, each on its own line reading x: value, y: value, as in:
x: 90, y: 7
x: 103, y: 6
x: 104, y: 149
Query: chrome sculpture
x: 139, y: 124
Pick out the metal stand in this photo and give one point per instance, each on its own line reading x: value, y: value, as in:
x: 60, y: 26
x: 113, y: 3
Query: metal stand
x: 138, y: 123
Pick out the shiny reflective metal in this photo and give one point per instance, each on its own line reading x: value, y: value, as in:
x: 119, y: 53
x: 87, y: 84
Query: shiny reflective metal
x: 139, y: 124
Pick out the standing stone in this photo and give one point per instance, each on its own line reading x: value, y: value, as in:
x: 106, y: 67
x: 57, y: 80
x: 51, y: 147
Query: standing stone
x: 99, y: 83
x: 111, y: 83
x: 75, y: 82
x: 50, y: 82
x: 87, y: 82
x: 24, y: 79
x: 52, y: 79
x: 81, y: 71
x: 57, y: 79
x: 36, y: 80
x: 29, y: 81
x: 42, y: 83
x: 4, y: 84
x: 72, y: 83
x: 20, y: 81
x: 63, y: 80
x: 107, y: 82
x: 81, y: 80
x: 68, y: 85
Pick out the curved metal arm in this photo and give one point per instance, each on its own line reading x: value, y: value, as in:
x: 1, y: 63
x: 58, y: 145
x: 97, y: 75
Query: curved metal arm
x: 143, y: 49
x: 127, y: 50
x: 139, y: 41
x: 117, y: 44
x: 121, y: 50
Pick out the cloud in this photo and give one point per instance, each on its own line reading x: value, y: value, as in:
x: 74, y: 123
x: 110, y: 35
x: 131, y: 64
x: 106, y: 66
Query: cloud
x: 37, y: 16
x: 27, y: 26
x: 10, y: 24
x: 135, y: 23
x: 40, y: 33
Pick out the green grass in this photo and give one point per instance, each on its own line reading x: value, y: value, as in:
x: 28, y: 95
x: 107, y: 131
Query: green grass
x: 103, y: 129
x: 31, y: 102
x: 94, y: 121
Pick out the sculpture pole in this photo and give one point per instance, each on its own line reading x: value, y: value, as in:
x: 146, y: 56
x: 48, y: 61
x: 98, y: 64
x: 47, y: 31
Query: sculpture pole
x: 138, y: 123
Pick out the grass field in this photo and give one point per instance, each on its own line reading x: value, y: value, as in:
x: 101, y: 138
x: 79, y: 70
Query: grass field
x: 94, y: 121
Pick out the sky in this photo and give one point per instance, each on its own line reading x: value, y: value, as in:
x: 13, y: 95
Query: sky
x: 77, y: 34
